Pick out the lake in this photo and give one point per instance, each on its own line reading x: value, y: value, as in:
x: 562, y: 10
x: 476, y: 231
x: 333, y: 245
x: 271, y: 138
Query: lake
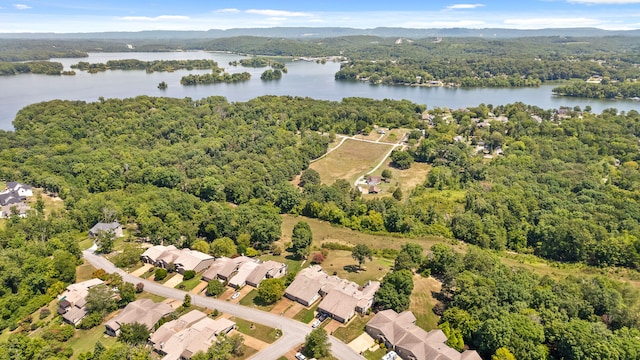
x: 306, y: 79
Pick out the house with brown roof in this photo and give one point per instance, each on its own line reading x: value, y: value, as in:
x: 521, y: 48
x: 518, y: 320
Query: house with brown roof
x: 71, y: 303
x: 185, y: 336
x: 306, y: 287
x: 266, y: 270
x: 143, y: 311
x: 374, y: 180
x: 152, y: 254
x: 400, y: 333
x: 346, y: 298
x: 342, y: 298
x: 225, y: 268
x: 192, y: 260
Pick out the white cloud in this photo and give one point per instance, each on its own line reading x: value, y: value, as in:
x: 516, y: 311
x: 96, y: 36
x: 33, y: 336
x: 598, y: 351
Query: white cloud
x: 276, y: 13
x: 230, y: 10
x: 604, y: 2
x: 540, y: 23
x: 21, y: 6
x: 157, y: 18
x: 464, y: 6
x: 277, y: 18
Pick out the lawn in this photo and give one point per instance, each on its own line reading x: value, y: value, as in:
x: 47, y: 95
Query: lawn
x: 354, y: 329
x: 153, y: 297
x: 375, y: 355
x: 350, y: 161
x: 187, y: 285
x: 252, y: 300
x: 343, y: 265
x: 324, y: 231
x: 306, y: 315
x: 407, y: 179
x: 422, y: 302
x: 260, y: 332
x: 84, y: 340
x: 293, y: 265
x: 84, y: 272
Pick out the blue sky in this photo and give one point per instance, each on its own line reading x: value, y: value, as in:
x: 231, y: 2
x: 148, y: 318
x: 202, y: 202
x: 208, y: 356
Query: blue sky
x: 65, y: 16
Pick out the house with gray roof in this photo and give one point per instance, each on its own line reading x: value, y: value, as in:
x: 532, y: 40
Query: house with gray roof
x: 143, y: 311
x: 152, y: 254
x: 225, y: 268
x: 400, y: 333
x: 10, y: 198
x: 346, y: 299
x: 22, y: 189
x: 101, y: 227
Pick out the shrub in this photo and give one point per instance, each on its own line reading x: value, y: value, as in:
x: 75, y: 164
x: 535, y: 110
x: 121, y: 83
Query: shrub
x: 336, y: 246
x: 92, y: 320
x: 317, y: 258
x: 139, y: 287
x: 214, y: 288
x: 44, y: 312
x: 160, y: 274
x: 188, y: 275
x: 100, y: 274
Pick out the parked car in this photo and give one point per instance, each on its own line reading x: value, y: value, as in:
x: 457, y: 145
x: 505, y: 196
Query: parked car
x: 316, y: 323
x: 235, y: 295
x: 299, y: 356
x: 323, y: 317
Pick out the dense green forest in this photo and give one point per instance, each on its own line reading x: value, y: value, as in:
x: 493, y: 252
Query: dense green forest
x: 31, y: 67
x: 217, y: 76
x: 565, y: 187
x: 605, y: 90
x: 469, y: 62
x: 148, y: 66
x: 258, y: 62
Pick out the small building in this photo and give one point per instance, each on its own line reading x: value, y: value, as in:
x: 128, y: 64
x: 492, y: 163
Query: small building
x: 374, y: 180
x: 152, y: 254
x: 113, y: 227
x: 143, y: 311
x: 72, y: 302
x: 240, y: 278
x: 266, y: 270
x: 10, y: 198
x: 306, y: 287
x: 344, y: 300
x: 185, y: 336
x: 192, y: 260
x: 374, y: 189
x: 21, y: 210
x: 400, y: 333
x: 23, y: 190
x: 225, y: 268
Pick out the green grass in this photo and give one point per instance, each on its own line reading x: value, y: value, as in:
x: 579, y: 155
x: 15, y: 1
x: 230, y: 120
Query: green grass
x: 187, y: 285
x: 260, y: 332
x: 344, y: 266
x: 84, y: 340
x: 375, y: 355
x: 293, y: 265
x: 354, y: 329
x: 169, y: 276
x: 84, y: 272
x: 3, y: 224
x: 422, y: 302
x: 252, y: 299
x: 85, y: 244
x: 147, y: 295
x: 306, y: 315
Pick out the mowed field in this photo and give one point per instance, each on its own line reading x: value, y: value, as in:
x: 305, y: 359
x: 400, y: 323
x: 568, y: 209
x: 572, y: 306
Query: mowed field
x: 350, y: 161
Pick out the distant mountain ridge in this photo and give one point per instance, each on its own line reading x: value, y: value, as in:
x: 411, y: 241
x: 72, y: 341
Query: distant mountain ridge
x: 325, y: 32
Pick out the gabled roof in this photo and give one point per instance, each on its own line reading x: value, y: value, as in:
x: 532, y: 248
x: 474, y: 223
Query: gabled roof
x: 76, y: 293
x: 99, y: 227
x: 74, y: 315
x: 154, y: 252
x: 215, y: 268
x: 232, y: 265
x: 11, y: 197
x: 244, y: 271
x: 260, y: 272
x: 403, y: 334
x: 189, y: 259
x: 339, y: 304
x: 143, y: 311
x: 307, y: 284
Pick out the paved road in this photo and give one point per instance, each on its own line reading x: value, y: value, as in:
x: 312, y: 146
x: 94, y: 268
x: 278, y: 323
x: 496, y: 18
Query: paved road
x: 293, y: 331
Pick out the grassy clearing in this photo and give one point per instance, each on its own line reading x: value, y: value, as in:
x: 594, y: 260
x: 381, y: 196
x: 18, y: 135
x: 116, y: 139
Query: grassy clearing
x: 84, y: 340
x: 354, y: 329
x: 260, y: 332
x: 306, y: 315
x: 342, y: 264
x: 147, y: 295
x: 51, y: 203
x: 350, y: 161
x: 85, y: 244
x: 248, y: 353
x: 394, y: 135
x: 407, y: 179
x: 84, y: 272
x: 188, y: 285
x: 324, y: 231
x: 422, y: 301
x: 252, y: 300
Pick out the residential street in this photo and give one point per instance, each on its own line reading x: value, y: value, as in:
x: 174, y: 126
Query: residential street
x: 293, y: 331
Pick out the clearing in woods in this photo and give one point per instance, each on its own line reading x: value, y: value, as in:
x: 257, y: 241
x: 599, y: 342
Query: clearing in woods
x: 350, y: 161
